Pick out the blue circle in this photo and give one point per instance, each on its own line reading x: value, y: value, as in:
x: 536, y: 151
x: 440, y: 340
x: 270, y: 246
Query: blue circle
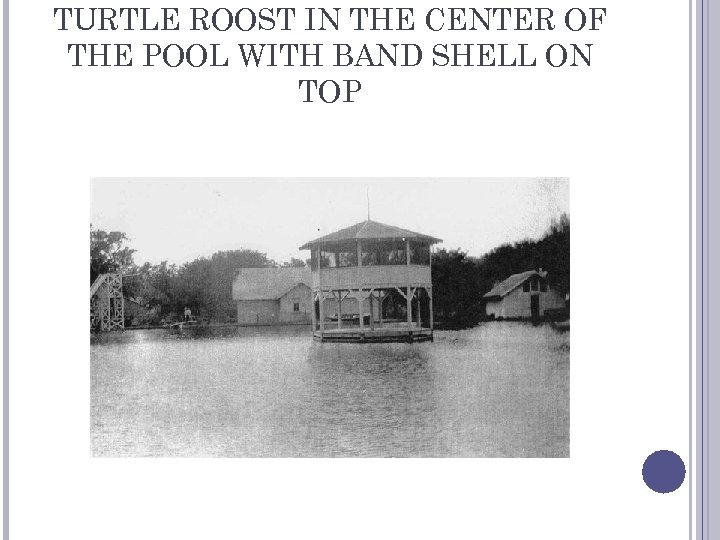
x: 663, y: 471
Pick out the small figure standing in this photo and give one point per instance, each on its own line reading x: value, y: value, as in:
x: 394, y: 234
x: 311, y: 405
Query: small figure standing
x: 188, y: 314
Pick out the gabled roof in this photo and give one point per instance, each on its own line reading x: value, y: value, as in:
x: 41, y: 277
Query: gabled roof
x: 268, y: 283
x: 513, y: 282
x: 369, y: 230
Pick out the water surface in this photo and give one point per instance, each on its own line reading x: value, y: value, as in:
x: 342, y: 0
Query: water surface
x: 498, y: 390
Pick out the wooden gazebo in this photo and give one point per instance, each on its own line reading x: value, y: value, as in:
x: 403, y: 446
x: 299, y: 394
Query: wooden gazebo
x: 372, y: 282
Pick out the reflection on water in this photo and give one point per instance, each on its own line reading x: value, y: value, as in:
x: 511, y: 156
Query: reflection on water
x: 498, y: 390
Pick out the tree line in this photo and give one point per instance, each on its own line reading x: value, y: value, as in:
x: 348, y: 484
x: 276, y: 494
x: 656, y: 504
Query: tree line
x: 164, y: 290
x: 205, y: 284
x: 460, y: 281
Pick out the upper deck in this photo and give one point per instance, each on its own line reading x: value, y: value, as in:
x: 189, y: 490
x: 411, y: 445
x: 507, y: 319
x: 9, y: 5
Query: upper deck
x: 371, y: 255
x: 369, y: 277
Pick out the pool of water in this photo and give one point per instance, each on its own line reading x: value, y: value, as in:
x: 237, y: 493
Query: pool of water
x: 498, y: 390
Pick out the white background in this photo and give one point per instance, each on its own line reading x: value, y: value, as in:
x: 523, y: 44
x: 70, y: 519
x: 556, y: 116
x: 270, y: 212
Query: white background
x: 618, y: 130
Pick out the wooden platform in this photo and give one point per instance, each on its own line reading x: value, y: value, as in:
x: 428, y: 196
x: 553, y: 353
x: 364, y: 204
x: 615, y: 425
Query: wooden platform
x: 376, y: 335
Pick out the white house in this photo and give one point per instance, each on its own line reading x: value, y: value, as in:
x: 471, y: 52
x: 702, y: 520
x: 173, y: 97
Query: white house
x: 523, y: 296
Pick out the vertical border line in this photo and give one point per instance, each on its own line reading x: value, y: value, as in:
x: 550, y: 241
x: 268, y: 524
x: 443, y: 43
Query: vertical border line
x: 703, y: 185
x: 691, y: 126
x: 6, y: 221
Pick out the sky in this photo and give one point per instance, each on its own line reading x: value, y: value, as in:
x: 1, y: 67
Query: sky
x: 179, y: 220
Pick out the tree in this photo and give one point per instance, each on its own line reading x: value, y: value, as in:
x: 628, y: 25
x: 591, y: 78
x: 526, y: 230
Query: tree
x: 157, y: 287
x: 555, y: 250
x: 294, y: 263
x: 457, y: 296
x: 206, y: 284
x: 550, y: 253
x: 108, y: 253
x: 459, y: 281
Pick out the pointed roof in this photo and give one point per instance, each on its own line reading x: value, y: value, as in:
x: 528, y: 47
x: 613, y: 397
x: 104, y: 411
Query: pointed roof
x: 370, y: 230
x: 513, y: 282
x: 268, y: 283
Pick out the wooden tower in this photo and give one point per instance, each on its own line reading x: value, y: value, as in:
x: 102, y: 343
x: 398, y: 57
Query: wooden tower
x: 372, y: 282
x: 107, y: 304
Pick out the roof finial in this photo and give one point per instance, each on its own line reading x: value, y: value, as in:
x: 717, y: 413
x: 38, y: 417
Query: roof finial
x: 367, y: 194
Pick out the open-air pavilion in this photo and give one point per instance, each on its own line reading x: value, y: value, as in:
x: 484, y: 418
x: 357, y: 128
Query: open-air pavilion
x: 372, y: 282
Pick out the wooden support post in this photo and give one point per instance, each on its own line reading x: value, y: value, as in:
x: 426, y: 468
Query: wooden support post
x: 322, y: 311
x: 418, y: 309
x: 360, y: 299
x: 321, y: 296
x: 429, y: 291
x: 339, y: 303
x: 372, y: 312
x: 408, y: 301
x: 122, y: 304
x: 432, y: 320
x: 107, y: 314
x: 312, y: 314
x: 380, y: 305
x: 408, y: 298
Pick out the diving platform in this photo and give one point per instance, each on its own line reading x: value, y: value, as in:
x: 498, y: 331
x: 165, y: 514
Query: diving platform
x: 107, y: 303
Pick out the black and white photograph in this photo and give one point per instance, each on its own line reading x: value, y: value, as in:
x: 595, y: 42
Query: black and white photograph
x: 317, y: 318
